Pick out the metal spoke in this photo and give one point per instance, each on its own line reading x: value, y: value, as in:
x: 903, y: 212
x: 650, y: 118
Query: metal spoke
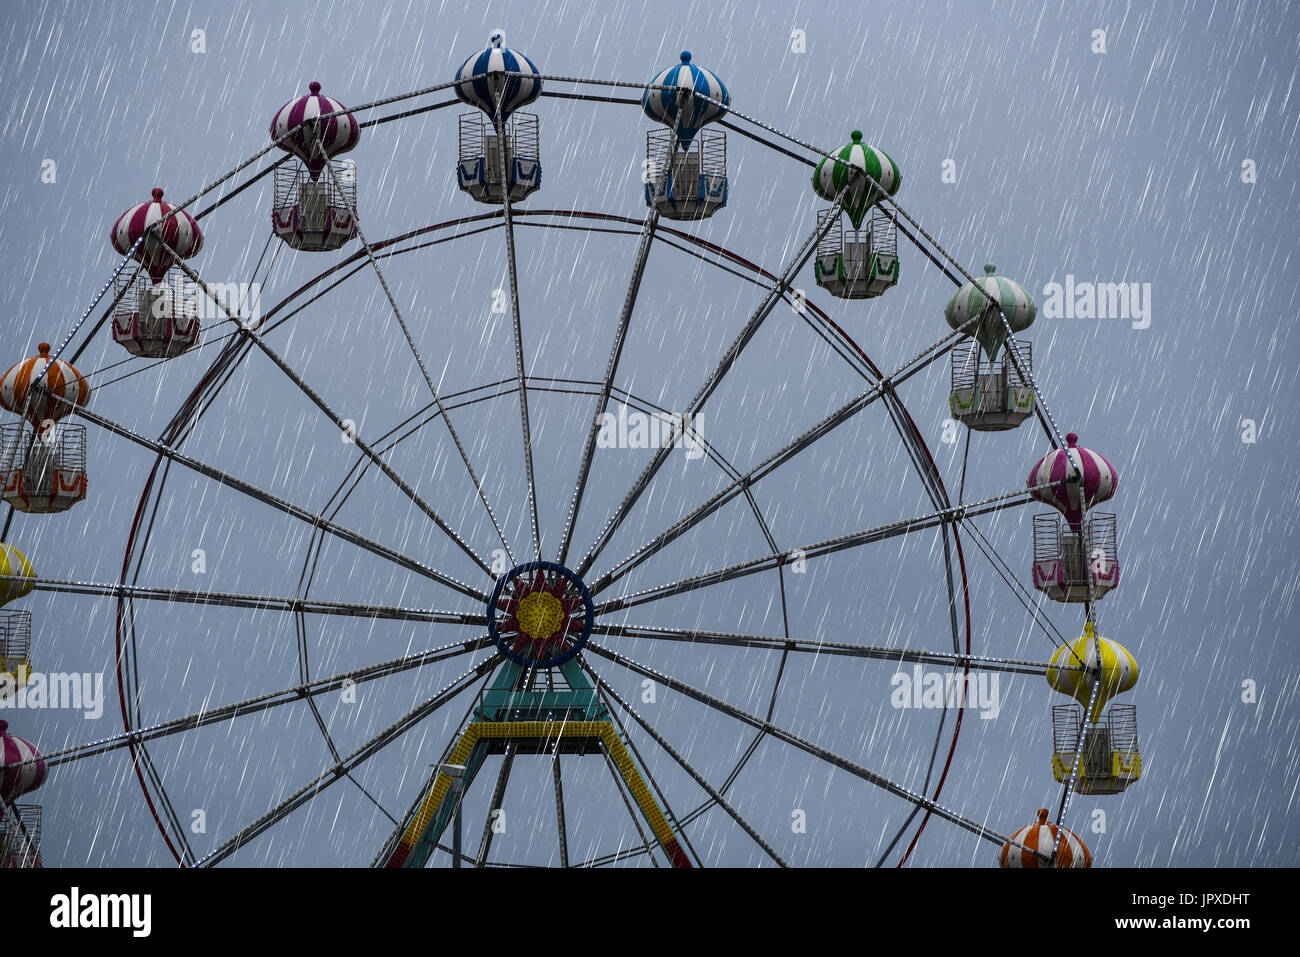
x: 513, y: 269
x: 686, y: 766
x: 252, y: 491
x: 669, y: 815
x: 246, y: 329
x: 341, y: 769
x: 732, y: 472
x: 259, y: 602
x: 777, y: 559
x: 389, y: 845
x: 496, y: 805
x: 928, y: 471
x: 803, y: 744
x: 740, y: 484
x: 811, y: 646
x: 925, y: 787
x: 1027, y: 375
x: 775, y: 295
x: 272, y: 699
x: 647, y: 844
x: 611, y: 368
x: 1021, y: 592
x: 410, y: 341
x: 561, y: 829
x: 776, y: 460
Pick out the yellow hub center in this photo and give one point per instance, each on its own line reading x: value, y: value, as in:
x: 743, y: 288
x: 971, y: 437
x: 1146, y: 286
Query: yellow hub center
x: 540, y: 615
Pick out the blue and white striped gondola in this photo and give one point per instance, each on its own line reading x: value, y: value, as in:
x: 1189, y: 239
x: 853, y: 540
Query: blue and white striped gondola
x: 483, y: 80
x: 686, y: 170
x: 482, y: 77
x: 677, y: 106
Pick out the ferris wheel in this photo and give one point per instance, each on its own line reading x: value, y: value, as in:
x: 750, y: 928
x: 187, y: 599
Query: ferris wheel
x: 556, y: 607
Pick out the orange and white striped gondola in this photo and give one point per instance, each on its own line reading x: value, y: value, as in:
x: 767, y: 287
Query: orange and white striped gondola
x: 1039, y: 837
x: 60, y: 380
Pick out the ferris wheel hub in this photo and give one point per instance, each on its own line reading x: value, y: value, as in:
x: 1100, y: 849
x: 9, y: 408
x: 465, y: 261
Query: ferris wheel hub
x: 540, y: 614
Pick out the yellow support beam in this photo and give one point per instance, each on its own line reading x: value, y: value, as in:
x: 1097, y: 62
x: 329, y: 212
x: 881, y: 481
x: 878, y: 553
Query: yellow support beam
x: 602, y: 731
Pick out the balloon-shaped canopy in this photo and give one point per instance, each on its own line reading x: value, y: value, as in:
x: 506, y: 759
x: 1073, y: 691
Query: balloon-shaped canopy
x: 482, y: 78
x: 181, y: 232
x: 836, y: 171
x: 14, y: 563
x: 337, y: 135
x: 679, y: 107
x: 983, y: 301
x: 1117, y: 673
x: 1099, y: 480
x: 61, y: 379
x: 1040, y: 837
x: 15, y: 782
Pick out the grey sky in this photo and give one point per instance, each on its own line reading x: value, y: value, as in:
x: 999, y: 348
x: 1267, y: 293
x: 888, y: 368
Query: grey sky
x: 1122, y: 166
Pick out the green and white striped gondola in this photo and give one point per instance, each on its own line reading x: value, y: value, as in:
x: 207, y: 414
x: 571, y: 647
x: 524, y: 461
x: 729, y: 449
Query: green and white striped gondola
x: 836, y: 171
x: 857, y: 265
x: 993, y: 292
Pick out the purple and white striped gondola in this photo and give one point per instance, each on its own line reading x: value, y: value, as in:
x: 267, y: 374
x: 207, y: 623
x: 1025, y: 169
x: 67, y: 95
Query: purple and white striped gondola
x: 17, y: 781
x: 153, y: 321
x: 311, y: 212
x: 336, y: 134
x: 1099, y: 480
x: 179, y: 232
x: 1081, y: 563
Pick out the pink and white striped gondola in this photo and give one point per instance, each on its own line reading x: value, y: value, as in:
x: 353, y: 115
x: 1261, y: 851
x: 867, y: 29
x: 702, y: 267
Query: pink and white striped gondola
x: 1098, y: 484
x: 337, y: 134
x: 180, y: 232
x: 311, y: 212
x: 15, y: 782
x: 152, y: 320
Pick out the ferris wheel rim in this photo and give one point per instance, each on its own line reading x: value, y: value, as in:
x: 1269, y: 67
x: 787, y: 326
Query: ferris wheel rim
x: 616, y: 83
x: 582, y: 214
x: 1041, y: 409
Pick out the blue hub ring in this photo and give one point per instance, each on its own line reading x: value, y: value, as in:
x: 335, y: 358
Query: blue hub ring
x: 576, y: 641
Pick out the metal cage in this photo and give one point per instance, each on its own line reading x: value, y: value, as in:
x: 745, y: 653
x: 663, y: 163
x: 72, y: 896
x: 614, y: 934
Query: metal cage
x: 315, y: 214
x: 686, y: 184
x: 1065, y: 560
x: 20, y: 836
x: 478, y: 167
x: 15, y: 650
x: 156, y: 321
x: 990, y: 396
x: 1109, y: 759
x: 43, y: 471
x: 857, y: 263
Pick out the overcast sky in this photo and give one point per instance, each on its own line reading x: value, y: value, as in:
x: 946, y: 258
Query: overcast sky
x: 1089, y: 143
